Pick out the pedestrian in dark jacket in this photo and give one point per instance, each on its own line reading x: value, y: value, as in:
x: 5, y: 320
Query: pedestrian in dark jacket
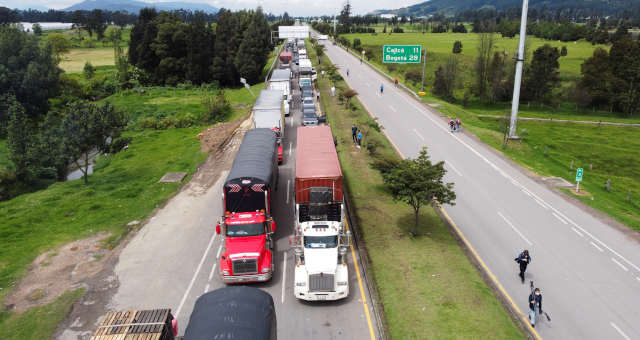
x: 354, y: 132
x: 535, y: 306
x: 523, y: 260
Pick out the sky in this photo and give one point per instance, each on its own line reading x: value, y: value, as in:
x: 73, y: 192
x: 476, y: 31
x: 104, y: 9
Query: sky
x: 293, y: 7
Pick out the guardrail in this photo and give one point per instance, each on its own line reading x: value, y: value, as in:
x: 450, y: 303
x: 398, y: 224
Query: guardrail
x: 266, y: 78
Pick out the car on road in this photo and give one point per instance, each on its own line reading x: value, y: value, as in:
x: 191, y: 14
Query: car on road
x: 307, y: 92
x: 308, y: 103
x: 309, y: 117
x: 304, y: 81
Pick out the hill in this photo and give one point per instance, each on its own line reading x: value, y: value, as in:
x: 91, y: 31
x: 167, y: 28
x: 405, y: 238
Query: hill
x: 133, y: 6
x: 450, y: 7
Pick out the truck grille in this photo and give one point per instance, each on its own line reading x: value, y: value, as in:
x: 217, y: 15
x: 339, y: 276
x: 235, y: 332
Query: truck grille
x: 245, y: 266
x: 321, y: 282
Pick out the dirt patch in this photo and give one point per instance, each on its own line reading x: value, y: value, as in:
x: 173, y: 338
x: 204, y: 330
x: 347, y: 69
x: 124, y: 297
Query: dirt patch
x: 580, y: 193
x: 55, y: 272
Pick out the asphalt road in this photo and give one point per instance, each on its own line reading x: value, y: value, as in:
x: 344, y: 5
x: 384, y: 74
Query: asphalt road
x: 174, y: 258
x: 588, y: 271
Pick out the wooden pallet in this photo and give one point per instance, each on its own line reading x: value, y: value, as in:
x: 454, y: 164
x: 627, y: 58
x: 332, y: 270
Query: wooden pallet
x: 135, y: 325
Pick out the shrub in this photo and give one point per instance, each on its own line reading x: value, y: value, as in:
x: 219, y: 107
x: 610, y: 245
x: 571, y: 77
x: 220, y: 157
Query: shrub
x: 413, y: 75
x: 88, y: 70
x: 119, y: 143
x: 563, y: 51
x: 384, y: 163
x: 356, y: 44
x: 397, y: 30
x: 217, y: 107
x: 391, y: 67
x: 457, y: 47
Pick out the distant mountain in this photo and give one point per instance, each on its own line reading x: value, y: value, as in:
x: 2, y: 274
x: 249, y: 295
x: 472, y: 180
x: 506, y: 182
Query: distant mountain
x: 450, y: 7
x: 133, y: 6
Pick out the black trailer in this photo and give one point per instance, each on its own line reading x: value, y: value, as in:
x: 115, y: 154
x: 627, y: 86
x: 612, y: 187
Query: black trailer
x: 237, y: 312
x: 254, y: 173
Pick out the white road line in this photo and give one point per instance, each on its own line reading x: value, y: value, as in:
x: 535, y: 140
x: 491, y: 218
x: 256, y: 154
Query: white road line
x: 515, y: 229
x: 620, y: 264
x: 290, y: 147
x: 284, y: 275
x: 206, y: 288
x: 213, y: 268
x: 595, y: 245
x: 526, y: 192
x: 577, y: 232
x: 195, y: 275
x: 291, y: 120
x: 219, y: 250
x: 453, y: 168
x: 288, y: 185
x: 418, y: 134
x: 393, y: 108
x: 560, y: 218
x: 541, y: 204
x: 619, y: 330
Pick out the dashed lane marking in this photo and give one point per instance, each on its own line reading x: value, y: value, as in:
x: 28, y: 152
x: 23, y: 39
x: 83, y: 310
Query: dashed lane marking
x: 619, y: 330
x: 577, y: 232
x: 418, y: 134
x: 362, y: 296
x: 597, y: 247
x: 620, y: 264
x: 195, y: 275
x: 284, y: 275
x: 449, y: 164
x: 560, y: 218
x: 515, y: 229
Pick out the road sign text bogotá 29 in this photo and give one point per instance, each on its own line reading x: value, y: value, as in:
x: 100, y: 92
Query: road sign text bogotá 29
x: 402, y: 54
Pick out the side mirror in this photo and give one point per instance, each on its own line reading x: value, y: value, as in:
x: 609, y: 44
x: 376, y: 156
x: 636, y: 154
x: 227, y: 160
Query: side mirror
x: 218, y: 229
x: 273, y: 226
x: 291, y: 240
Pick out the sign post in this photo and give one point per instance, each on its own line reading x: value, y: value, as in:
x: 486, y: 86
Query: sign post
x: 244, y: 81
x: 579, y: 172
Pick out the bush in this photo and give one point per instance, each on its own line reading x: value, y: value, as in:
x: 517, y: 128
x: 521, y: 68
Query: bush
x: 457, y: 47
x: 384, y: 163
x: 391, y: 67
x: 397, y: 30
x: 372, y: 144
x: 413, y: 75
x: 119, y: 143
x: 217, y: 107
x: 356, y: 44
x: 88, y: 70
x: 563, y: 51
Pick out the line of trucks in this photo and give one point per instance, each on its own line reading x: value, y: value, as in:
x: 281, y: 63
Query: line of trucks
x: 320, y: 239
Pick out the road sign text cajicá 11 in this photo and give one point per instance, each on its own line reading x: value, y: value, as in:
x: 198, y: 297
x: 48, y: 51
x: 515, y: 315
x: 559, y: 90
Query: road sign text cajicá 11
x: 402, y: 54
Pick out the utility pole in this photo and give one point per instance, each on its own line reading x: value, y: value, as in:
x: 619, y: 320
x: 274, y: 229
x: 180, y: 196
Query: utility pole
x: 519, y: 65
x: 424, y: 65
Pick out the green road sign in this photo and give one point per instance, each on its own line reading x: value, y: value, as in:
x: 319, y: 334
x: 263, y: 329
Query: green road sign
x: 402, y: 54
x: 579, y: 175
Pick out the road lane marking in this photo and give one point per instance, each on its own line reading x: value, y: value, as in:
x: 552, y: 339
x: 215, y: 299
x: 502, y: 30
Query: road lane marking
x: 219, y: 250
x: 540, y: 204
x: 525, y: 318
x: 393, y: 108
x: 291, y: 120
x: 526, y: 192
x: 195, y: 275
x: 595, y: 245
x: 418, y: 134
x: 560, y: 218
x: 515, y: 229
x: 284, y: 274
x: 577, y: 232
x: 362, y: 296
x: 290, y: 147
x: 213, y: 268
x: 453, y: 168
x: 620, y: 264
x: 206, y: 288
x: 288, y: 185
x: 619, y: 330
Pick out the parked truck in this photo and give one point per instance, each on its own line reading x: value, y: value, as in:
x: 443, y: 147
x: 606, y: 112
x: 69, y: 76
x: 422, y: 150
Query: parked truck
x: 268, y: 113
x: 281, y: 80
x: 320, y: 237
x: 247, y: 224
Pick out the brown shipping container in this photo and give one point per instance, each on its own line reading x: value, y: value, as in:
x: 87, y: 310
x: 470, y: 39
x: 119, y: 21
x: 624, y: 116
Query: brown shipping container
x: 317, y: 163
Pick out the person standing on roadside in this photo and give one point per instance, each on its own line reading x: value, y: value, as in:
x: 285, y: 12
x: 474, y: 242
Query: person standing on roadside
x: 360, y: 60
x: 359, y: 137
x: 381, y: 88
x: 347, y: 72
x: 395, y: 82
x: 523, y: 260
x: 354, y: 132
x: 535, y: 306
x: 451, y: 125
x: 458, y: 124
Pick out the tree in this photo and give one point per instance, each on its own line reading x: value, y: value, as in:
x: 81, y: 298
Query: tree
x: 199, y: 50
x: 485, y: 50
x: 319, y: 50
x: 563, y: 51
x: 596, y: 78
x: 87, y: 128
x: 217, y: 107
x: 254, y: 49
x: 138, y: 34
x: 498, y: 86
x: 79, y: 20
x: 345, y: 14
x: 27, y: 71
x: 8, y: 16
x: 20, y: 142
x: 356, y: 44
x: 88, y: 71
x: 228, y: 38
x: 459, y: 28
x: 417, y: 182
x: 120, y: 19
x: 542, y: 77
x: 624, y: 61
x: 457, y: 47
x: 37, y: 29
x: 348, y: 95
x: 59, y: 44
x: 96, y: 22
x: 445, y: 79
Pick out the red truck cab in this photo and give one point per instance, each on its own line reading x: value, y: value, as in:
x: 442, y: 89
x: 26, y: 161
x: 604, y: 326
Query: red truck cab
x: 248, y: 247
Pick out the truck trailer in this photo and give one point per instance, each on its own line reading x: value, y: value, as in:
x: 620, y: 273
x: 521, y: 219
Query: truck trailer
x: 320, y: 237
x: 281, y: 80
x: 247, y: 224
x: 267, y: 113
x: 285, y: 59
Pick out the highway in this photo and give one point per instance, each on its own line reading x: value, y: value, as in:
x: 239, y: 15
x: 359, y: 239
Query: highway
x: 588, y: 271
x: 173, y: 260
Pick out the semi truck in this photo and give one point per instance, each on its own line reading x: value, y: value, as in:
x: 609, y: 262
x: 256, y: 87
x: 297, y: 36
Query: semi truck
x: 268, y: 113
x: 320, y: 239
x: 281, y: 80
x: 285, y: 59
x: 247, y: 225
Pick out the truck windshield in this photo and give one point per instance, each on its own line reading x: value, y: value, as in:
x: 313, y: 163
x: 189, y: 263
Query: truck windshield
x: 320, y: 241
x: 241, y: 230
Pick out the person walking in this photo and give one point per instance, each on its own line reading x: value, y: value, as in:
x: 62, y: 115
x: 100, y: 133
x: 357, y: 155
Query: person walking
x: 347, y: 72
x: 354, y: 132
x: 381, y: 88
x: 523, y: 260
x: 535, y: 306
x: 451, y: 125
x: 322, y: 73
x: 360, y: 60
x: 458, y: 124
x: 359, y: 138
x: 395, y: 82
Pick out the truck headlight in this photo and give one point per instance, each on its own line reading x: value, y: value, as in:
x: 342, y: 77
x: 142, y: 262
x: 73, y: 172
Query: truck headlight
x: 225, y: 272
x: 266, y: 270
x: 301, y: 284
x: 342, y: 283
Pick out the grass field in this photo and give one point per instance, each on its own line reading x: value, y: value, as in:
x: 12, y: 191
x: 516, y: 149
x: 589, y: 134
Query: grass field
x: 74, y: 61
x: 426, y: 283
x: 39, y: 322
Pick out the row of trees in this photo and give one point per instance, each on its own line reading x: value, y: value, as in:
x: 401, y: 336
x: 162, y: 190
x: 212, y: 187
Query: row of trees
x: 169, y: 51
